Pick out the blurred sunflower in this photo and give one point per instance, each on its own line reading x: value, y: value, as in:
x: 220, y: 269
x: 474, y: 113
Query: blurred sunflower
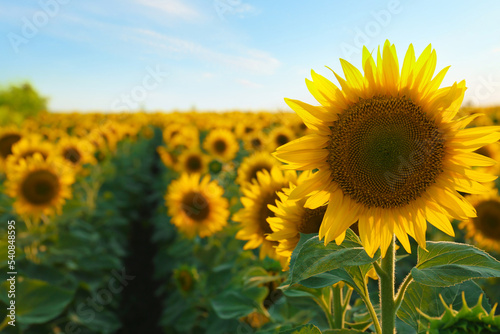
x: 258, y: 195
x: 181, y: 135
x: 255, y: 142
x: 222, y: 144
x: 192, y: 161
x: 291, y: 218
x: 390, y: 152
x: 27, y: 147
x: 76, y: 152
x: 39, y: 186
x: 485, y: 228
x: 197, y: 208
x: 279, y: 136
x: 8, y: 137
x: 251, y: 165
x: 491, y: 151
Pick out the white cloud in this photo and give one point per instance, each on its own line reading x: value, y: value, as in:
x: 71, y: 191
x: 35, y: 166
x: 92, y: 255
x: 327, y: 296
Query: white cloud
x: 255, y: 61
x: 248, y: 83
x: 173, y: 8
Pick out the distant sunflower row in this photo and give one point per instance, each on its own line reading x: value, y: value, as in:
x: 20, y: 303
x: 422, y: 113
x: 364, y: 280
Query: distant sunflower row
x: 208, y: 153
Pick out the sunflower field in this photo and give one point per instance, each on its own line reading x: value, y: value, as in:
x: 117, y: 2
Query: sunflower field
x: 292, y: 222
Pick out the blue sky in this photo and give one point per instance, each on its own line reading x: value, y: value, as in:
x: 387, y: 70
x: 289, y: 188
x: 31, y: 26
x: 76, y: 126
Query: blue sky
x: 229, y: 54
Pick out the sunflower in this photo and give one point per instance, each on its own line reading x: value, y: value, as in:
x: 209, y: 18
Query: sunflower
x: 76, y: 152
x: 192, y: 161
x: 291, y: 218
x: 197, y: 208
x: 39, y: 186
x: 485, y: 228
x: 254, y: 142
x: 8, y: 137
x: 222, y: 144
x: 491, y: 151
x: 181, y: 135
x: 251, y: 165
x: 27, y: 147
x: 390, y: 151
x: 253, y: 217
x: 279, y: 136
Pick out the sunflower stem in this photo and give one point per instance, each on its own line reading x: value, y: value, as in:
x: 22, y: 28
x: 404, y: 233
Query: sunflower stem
x: 338, y: 312
x: 387, y: 302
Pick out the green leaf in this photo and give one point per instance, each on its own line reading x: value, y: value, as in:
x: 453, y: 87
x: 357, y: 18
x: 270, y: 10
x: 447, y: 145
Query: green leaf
x: 426, y: 299
x: 449, y: 263
x: 37, y: 301
x: 342, y: 331
x: 304, y: 329
x: 314, y: 258
x: 235, y: 304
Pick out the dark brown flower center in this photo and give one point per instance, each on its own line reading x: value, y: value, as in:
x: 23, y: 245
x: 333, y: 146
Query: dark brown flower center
x: 220, y: 146
x: 71, y: 154
x: 40, y: 187
x: 488, y: 219
x: 282, y: 139
x: 194, y: 163
x: 6, y: 143
x: 311, y: 221
x: 196, y: 206
x: 385, y: 151
x: 256, y: 143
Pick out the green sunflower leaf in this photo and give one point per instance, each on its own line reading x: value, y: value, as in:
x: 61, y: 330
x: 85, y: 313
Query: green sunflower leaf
x: 236, y: 304
x: 449, y: 263
x: 304, y: 329
x: 37, y: 301
x: 426, y: 299
x: 315, y: 265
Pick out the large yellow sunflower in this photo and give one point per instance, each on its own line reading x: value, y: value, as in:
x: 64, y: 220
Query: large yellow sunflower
x: 253, y: 217
x: 39, y: 186
x: 222, y: 144
x: 485, y: 228
x: 390, y: 151
x: 251, y: 165
x: 197, y: 208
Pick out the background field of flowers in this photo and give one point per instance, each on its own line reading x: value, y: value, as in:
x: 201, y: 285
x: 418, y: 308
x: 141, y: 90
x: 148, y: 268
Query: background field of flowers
x: 136, y: 142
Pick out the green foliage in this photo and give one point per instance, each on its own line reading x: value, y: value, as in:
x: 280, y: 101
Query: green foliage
x: 37, y: 301
x: 20, y: 101
x: 236, y: 304
x: 449, y: 263
x: 315, y: 265
x: 426, y: 299
x: 474, y: 320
